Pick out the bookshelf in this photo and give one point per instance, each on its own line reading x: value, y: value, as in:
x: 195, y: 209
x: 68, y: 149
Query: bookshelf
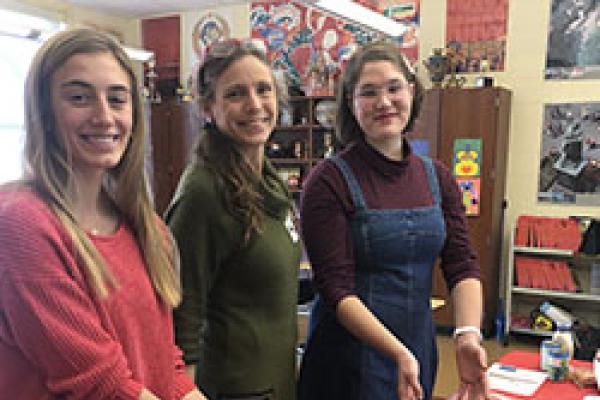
x: 521, y: 300
x: 300, y: 140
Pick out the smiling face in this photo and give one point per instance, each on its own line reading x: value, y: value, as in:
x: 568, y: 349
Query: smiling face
x: 381, y: 102
x: 92, y: 107
x: 245, y: 103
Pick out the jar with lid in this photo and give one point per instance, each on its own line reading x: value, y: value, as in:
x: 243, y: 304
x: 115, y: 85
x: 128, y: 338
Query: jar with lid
x: 564, y: 336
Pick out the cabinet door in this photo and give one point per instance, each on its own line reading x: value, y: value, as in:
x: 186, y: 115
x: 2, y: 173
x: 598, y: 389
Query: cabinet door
x: 483, y: 114
x: 174, y: 130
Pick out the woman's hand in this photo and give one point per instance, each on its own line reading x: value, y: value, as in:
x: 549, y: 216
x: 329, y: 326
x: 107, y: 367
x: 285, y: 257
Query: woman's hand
x: 408, y: 377
x: 471, y: 360
x: 194, y: 395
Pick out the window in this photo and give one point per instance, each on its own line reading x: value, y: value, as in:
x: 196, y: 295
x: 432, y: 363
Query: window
x: 18, y: 44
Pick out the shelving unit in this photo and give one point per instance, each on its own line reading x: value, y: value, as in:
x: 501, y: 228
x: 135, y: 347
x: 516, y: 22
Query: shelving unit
x: 304, y: 131
x: 522, y: 300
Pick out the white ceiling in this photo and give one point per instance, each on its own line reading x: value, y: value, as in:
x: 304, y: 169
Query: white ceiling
x: 143, y: 8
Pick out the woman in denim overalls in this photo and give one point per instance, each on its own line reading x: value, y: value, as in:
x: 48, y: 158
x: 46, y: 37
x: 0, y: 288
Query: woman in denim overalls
x: 375, y: 219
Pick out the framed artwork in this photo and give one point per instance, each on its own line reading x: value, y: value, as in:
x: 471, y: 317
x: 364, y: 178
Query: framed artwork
x: 573, y: 40
x: 570, y: 154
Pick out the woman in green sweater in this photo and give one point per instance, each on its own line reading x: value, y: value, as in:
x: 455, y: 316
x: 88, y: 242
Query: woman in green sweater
x: 233, y: 222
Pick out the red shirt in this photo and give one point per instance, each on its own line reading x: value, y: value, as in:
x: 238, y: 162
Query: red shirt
x: 326, y: 206
x: 59, y: 340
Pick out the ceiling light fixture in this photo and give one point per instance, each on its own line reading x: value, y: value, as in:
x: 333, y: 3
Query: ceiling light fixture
x: 138, y: 54
x: 360, y: 15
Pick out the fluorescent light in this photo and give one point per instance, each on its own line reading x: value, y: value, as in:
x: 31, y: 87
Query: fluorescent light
x: 138, y: 54
x: 360, y: 15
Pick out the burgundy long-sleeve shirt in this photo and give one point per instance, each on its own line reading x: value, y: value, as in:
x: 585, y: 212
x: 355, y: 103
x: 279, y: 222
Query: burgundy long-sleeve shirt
x: 326, y: 208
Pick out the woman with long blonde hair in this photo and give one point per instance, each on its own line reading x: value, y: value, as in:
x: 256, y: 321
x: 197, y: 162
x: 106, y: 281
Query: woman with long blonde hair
x: 87, y: 270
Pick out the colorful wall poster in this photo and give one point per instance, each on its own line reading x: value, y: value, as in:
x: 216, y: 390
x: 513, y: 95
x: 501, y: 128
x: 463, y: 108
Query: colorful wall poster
x: 573, y: 40
x: 570, y: 154
x: 476, y: 31
x: 470, y: 188
x: 300, y: 39
x: 466, y: 160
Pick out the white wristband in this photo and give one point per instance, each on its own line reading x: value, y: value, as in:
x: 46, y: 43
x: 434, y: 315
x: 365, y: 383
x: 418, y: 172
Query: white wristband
x: 467, y: 329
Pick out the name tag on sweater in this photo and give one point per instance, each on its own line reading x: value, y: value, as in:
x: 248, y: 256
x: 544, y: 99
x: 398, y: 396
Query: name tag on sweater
x: 291, y: 227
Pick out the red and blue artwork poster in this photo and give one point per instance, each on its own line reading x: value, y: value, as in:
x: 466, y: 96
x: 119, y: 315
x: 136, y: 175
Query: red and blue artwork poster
x: 300, y: 38
x: 476, y: 34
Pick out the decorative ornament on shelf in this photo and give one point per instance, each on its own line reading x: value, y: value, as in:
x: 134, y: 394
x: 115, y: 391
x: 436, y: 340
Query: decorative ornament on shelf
x: 437, y: 66
x: 454, y: 60
x: 442, y: 63
x: 150, y: 90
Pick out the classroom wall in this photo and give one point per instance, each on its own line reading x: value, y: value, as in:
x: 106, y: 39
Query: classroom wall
x: 525, y: 58
x: 525, y: 62
x: 127, y: 28
x: 523, y: 74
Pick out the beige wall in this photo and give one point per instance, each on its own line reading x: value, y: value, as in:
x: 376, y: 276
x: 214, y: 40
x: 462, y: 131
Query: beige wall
x: 127, y: 28
x: 526, y: 53
x: 236, y: 15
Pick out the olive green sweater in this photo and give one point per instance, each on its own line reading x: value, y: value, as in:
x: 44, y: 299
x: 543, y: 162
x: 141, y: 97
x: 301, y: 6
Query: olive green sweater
x: 237, y: 321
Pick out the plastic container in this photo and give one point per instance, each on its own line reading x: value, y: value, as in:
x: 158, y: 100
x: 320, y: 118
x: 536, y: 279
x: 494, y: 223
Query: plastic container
x: 564, y: 336
x: 547, y: 348
x: 559, y: 366
x: 558, y: 315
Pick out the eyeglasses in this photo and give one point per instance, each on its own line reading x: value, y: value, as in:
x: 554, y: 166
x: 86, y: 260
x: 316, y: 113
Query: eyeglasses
x: 392, y: 90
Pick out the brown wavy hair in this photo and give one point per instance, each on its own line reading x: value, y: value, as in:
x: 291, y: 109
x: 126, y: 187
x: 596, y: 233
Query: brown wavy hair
x: 347, y: 127
x: 48, y: 167
x: 219, y: 151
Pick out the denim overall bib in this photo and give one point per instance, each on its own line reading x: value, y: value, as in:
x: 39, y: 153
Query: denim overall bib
x: 395, y: 251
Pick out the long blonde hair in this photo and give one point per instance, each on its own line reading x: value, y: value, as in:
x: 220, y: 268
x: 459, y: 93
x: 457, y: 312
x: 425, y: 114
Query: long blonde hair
x: 49, y: 170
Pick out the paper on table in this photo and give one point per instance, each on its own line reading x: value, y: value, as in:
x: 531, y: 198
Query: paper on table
x: 523, y: 382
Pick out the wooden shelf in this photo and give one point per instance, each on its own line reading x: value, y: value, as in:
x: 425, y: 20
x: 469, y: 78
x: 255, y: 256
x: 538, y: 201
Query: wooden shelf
x: 306, y: 130
x: 555, y: 294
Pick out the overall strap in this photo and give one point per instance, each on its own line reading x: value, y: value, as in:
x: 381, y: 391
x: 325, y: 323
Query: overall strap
x: 433, y: 180
x: 355, y: 191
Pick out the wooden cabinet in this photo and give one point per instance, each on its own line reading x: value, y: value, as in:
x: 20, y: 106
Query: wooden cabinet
x: 300, y: 141
x: 162, y: 36
x: 174, y: 126
x: 473, y: 113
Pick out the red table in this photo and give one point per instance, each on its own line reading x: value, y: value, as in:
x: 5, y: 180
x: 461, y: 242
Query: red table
x: 549, y: 390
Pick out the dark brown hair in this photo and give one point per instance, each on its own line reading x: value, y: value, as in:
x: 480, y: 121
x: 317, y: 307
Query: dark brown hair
x: 347, y: 128
x: 219, y: 151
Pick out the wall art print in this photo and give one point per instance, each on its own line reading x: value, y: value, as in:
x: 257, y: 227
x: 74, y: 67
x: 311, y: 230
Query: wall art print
x: 211, y: 27
x: 298, y: 38
x: 467, y: 158
x: 573, y: 40
x: 570, y: 154
x: 470, y: 188
x: 476, y: 32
